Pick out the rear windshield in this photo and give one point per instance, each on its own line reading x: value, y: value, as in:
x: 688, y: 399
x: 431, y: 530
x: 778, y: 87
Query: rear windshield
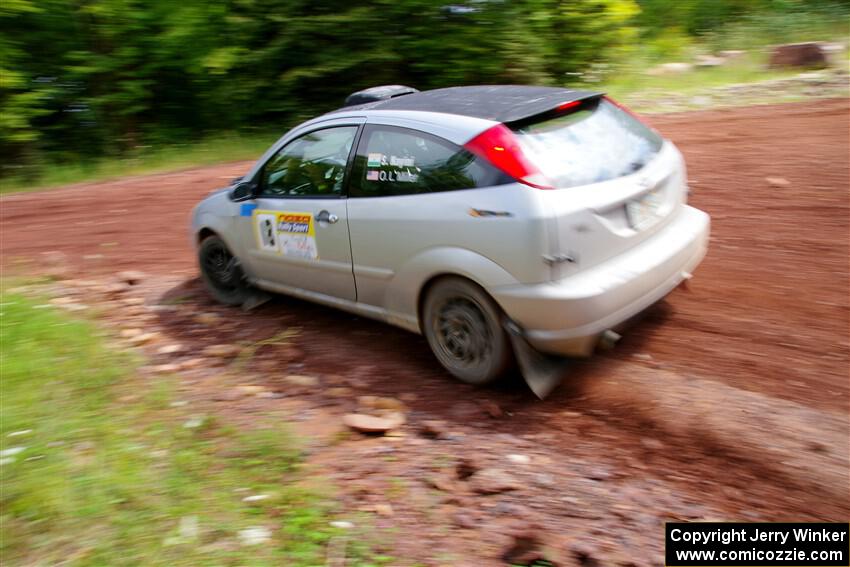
x: 596, y: 143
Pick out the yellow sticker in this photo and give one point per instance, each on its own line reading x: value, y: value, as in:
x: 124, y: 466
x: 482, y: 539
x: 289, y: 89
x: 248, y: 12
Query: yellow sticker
x: 286, y: 233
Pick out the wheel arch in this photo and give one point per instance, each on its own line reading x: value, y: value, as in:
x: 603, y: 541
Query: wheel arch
x: 205, y: 233
x: 410, y: 284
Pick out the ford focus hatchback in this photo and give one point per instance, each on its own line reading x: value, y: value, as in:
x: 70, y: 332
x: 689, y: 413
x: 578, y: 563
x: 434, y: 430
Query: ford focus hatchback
x: 471, y: 215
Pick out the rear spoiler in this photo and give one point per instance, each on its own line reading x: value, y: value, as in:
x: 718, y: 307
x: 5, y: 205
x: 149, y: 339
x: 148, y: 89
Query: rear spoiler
x: 544, y: 111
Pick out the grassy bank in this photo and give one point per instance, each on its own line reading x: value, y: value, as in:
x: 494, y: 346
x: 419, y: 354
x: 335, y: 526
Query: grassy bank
x: 103, y: 467
x: 145, y: 160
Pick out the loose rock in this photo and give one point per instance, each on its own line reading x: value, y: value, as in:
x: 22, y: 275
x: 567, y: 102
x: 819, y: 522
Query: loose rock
x: 12, y: 451
x: 433, y: 428
x: 777, y: 182
x: 255, y: 498
x: 209, y: 319
x: 491, y: 408
x: 465, y: 468
x: 188, y: 527
x: 391, y: 404
x: 440, y: 483
x: 144, y: 338
x: 302, y: 381
x: 222, y: 350
x: 192, y: 363
x: 464, y: 520
x: 493, y: 481
x: 370, y: 423
x: 652, y: 443
x: 519, y: 459
x: 709, y: 61
x: 169, y: 349
x: 523, y: 546
x: 339, y: 392
x: 674, y: 68
x: 130, y: 277
x: 341, y: 524
x: 194, y: 422
x: 114, y: 289
x: 730, y: 54
x: 19, y: 433
x: 585, y: 554
x: 385, y: 510
x: 254, y: 536
x: 809, y: 54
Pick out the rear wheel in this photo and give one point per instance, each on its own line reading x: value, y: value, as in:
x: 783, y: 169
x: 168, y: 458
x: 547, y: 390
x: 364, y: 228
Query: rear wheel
x: 221, y: 273
x: 463, y: 327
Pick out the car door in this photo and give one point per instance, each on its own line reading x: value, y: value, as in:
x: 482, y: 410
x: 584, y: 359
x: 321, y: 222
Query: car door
x: 297, y: 231
x: 412, y: 192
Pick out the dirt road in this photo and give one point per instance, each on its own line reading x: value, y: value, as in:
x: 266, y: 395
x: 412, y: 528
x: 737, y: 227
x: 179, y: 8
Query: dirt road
x: 728, y: 401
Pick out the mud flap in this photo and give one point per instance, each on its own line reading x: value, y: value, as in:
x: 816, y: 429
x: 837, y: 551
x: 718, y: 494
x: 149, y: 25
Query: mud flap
x: 542, y: 372
x: 256, y: 297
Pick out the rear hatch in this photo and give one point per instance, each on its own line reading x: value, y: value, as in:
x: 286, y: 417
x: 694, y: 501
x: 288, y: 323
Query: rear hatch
x: 608, y: 180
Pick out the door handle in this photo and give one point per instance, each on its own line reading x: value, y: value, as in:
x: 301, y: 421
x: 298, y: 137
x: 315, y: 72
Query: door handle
x: 325, y: 216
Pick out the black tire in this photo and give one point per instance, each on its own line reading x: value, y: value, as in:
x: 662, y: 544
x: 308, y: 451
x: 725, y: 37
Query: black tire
x: 463, y: 327
x: 221, y: 273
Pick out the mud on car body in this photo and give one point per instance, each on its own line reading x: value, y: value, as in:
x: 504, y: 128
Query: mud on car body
x: 497, y: 221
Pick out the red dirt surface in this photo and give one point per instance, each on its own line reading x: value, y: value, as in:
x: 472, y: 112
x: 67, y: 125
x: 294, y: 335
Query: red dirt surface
x: 727, y: 401
x: 768, y: 309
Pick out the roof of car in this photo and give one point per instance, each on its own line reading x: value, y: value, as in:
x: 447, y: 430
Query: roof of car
x: 500, y: 103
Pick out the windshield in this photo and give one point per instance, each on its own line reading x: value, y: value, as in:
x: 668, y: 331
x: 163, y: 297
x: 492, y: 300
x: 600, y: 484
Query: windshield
x: 590, y: 145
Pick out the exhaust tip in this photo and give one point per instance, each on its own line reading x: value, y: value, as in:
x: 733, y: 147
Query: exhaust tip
x: 609, y: 339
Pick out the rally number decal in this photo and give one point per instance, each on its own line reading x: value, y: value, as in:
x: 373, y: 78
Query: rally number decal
x: 286, y: 233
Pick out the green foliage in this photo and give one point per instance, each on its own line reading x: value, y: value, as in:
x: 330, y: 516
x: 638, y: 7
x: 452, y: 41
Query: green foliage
x: 762, y: 21
x: 108, y: 77
x: 86, y: 79
x: 104, y: 470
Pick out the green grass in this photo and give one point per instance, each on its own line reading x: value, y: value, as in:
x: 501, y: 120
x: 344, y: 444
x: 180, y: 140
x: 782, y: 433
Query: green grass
x: 632, y: 79
x: 758, y: 30
x: 755, y: 34
x: 146, y: 160
x: 109, y: 471
x: 674, y: 92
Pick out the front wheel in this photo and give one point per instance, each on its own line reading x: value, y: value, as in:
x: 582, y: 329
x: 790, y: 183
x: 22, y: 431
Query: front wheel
x: 221, y: 273
x: 462, y: 326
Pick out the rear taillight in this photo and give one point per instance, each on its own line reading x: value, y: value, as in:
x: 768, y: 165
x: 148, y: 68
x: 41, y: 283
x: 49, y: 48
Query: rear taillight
x: 500, y: 147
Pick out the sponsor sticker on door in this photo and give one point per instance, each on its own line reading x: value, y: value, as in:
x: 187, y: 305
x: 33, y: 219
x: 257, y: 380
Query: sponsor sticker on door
x: 286, y: 233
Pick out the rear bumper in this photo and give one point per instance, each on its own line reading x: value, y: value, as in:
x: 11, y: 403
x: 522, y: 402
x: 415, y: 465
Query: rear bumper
x: 568, y: 316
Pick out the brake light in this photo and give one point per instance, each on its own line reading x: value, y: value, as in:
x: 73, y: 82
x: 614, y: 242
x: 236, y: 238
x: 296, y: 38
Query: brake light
x: 500, y: 147
x: 567, y: 105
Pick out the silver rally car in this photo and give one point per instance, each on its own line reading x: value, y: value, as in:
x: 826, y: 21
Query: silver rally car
x: 489, y: 219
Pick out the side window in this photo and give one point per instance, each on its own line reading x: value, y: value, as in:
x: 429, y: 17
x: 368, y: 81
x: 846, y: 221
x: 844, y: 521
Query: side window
x: 400, y: 161
x: 310, y: 166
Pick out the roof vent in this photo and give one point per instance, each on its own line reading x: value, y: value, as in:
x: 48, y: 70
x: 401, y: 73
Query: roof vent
x: 373, y: 94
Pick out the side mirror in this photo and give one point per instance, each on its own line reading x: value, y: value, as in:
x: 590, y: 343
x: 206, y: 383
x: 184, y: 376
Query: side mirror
x: 243, y: 191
